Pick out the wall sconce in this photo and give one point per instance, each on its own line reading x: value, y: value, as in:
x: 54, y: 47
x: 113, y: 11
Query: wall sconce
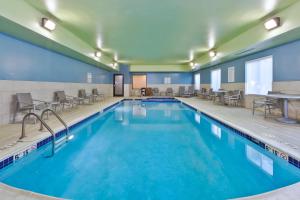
x: 212, y: 53
x: 272, y: 23
x: 98, y: 54
x: 48, y: 24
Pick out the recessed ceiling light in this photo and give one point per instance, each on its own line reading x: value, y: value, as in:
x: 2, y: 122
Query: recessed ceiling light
x: 48, y: 24
x: 212, y: 53
x: 114, y: 65
x: 272, y: 23
x: 192, y: 64
x: 195, y: 65
x: 98, y: 54
x: 116, y: 58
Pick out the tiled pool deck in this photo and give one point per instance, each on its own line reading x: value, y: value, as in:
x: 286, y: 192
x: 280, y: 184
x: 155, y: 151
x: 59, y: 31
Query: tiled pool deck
x: 284, y: 137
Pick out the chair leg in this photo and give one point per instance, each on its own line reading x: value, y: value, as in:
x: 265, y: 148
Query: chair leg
x: 265, y: 111
x: 14, y: 117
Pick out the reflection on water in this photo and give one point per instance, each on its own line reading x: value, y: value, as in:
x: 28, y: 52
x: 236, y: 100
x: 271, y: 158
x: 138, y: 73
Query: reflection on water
x: 119, y: 114
x: 260, y: 160
x: 167, y: 113
x: 231, y: 140
x: 197, y: 118
x: 139, y: 111
x: 216, y: 130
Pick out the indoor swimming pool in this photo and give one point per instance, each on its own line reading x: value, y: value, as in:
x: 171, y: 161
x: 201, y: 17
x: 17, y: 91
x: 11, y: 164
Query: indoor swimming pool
x: 151, y: 150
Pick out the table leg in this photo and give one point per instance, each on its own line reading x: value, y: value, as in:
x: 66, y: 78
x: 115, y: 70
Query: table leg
x: 286, y: 108
x: 285, y: 118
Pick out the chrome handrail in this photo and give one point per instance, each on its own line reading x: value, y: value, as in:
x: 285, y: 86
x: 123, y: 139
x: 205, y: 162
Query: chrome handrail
x: 58, y: 117
x: 44, y: 124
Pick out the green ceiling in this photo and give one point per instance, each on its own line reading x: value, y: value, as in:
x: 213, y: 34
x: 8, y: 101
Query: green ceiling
x: 158, y: 32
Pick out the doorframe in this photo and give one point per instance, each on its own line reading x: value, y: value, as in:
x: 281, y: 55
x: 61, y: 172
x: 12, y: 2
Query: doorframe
x: 122, y: 85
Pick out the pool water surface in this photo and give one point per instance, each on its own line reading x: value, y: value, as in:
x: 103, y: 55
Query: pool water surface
x: 151, y: 150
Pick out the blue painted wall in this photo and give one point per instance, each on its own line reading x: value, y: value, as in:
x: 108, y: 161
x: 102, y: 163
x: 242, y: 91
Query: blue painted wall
x: 124, y: 69
x: 20, y: 60
x: 286, y: 64
x: 176, y: 78
x: 158, y: 77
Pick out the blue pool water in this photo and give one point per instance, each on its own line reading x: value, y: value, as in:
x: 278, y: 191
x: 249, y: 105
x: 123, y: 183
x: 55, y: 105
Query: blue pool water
x: 148, y: 150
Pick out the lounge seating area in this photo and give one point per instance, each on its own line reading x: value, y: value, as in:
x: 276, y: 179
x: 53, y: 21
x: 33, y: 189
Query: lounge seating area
x: 223, y: 97
x: 274, y: 104
x: 180, y: 91
x: 61, y: 102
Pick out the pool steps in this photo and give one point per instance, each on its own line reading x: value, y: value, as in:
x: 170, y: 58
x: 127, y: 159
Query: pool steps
x: 55, y: 143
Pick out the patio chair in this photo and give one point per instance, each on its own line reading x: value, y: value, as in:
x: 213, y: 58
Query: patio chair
x: 181, y: 91
x: 191, y: 91
x: 218, y: 97
x: 169, y: 92
x: 97, y: 95
x: 268, y: 104
x: 65, y: 100
x: 85, y: 98
x: 233, y: 98
x: 155, y: 91
x: 26, y: 104
x: 202, y: 93
x: 209, y: 94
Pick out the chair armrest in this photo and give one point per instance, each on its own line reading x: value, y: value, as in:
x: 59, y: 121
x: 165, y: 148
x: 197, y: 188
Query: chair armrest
x: 234, y: 96
x: 69, y: 96
x: 41, y: 101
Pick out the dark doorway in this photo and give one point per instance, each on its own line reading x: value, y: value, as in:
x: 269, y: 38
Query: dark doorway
x: 118, y: 85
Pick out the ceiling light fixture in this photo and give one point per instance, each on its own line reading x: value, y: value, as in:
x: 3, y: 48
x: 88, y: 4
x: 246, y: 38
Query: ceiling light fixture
x: 195, y: 66
x: 48, y: 24
x: 212, y: 53
x: 98, y: 54
x: 192, y: 64
x: 114, y: 65
x: 272, y: 23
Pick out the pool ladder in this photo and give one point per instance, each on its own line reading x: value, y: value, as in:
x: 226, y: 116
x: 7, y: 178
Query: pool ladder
x: 54, y: 143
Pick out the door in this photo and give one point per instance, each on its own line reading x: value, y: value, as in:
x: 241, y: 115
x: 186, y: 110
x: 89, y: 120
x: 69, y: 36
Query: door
x: 118, y: 85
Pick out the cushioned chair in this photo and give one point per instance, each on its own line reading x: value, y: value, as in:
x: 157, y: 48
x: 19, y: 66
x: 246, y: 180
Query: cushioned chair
x: 181, y: 91
x: 155, y: 91
x: 85, y: 98
x: 97, y: 95
x: 202, y: 93
x: 190, y: 92
x: 65, y: 100
x: 233, y: 98
x: 26, y: 104
x: 268, y: 104
x: 169, y: 92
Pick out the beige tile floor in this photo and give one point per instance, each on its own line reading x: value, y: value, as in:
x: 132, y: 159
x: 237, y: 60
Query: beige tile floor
x: 285, y: 137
